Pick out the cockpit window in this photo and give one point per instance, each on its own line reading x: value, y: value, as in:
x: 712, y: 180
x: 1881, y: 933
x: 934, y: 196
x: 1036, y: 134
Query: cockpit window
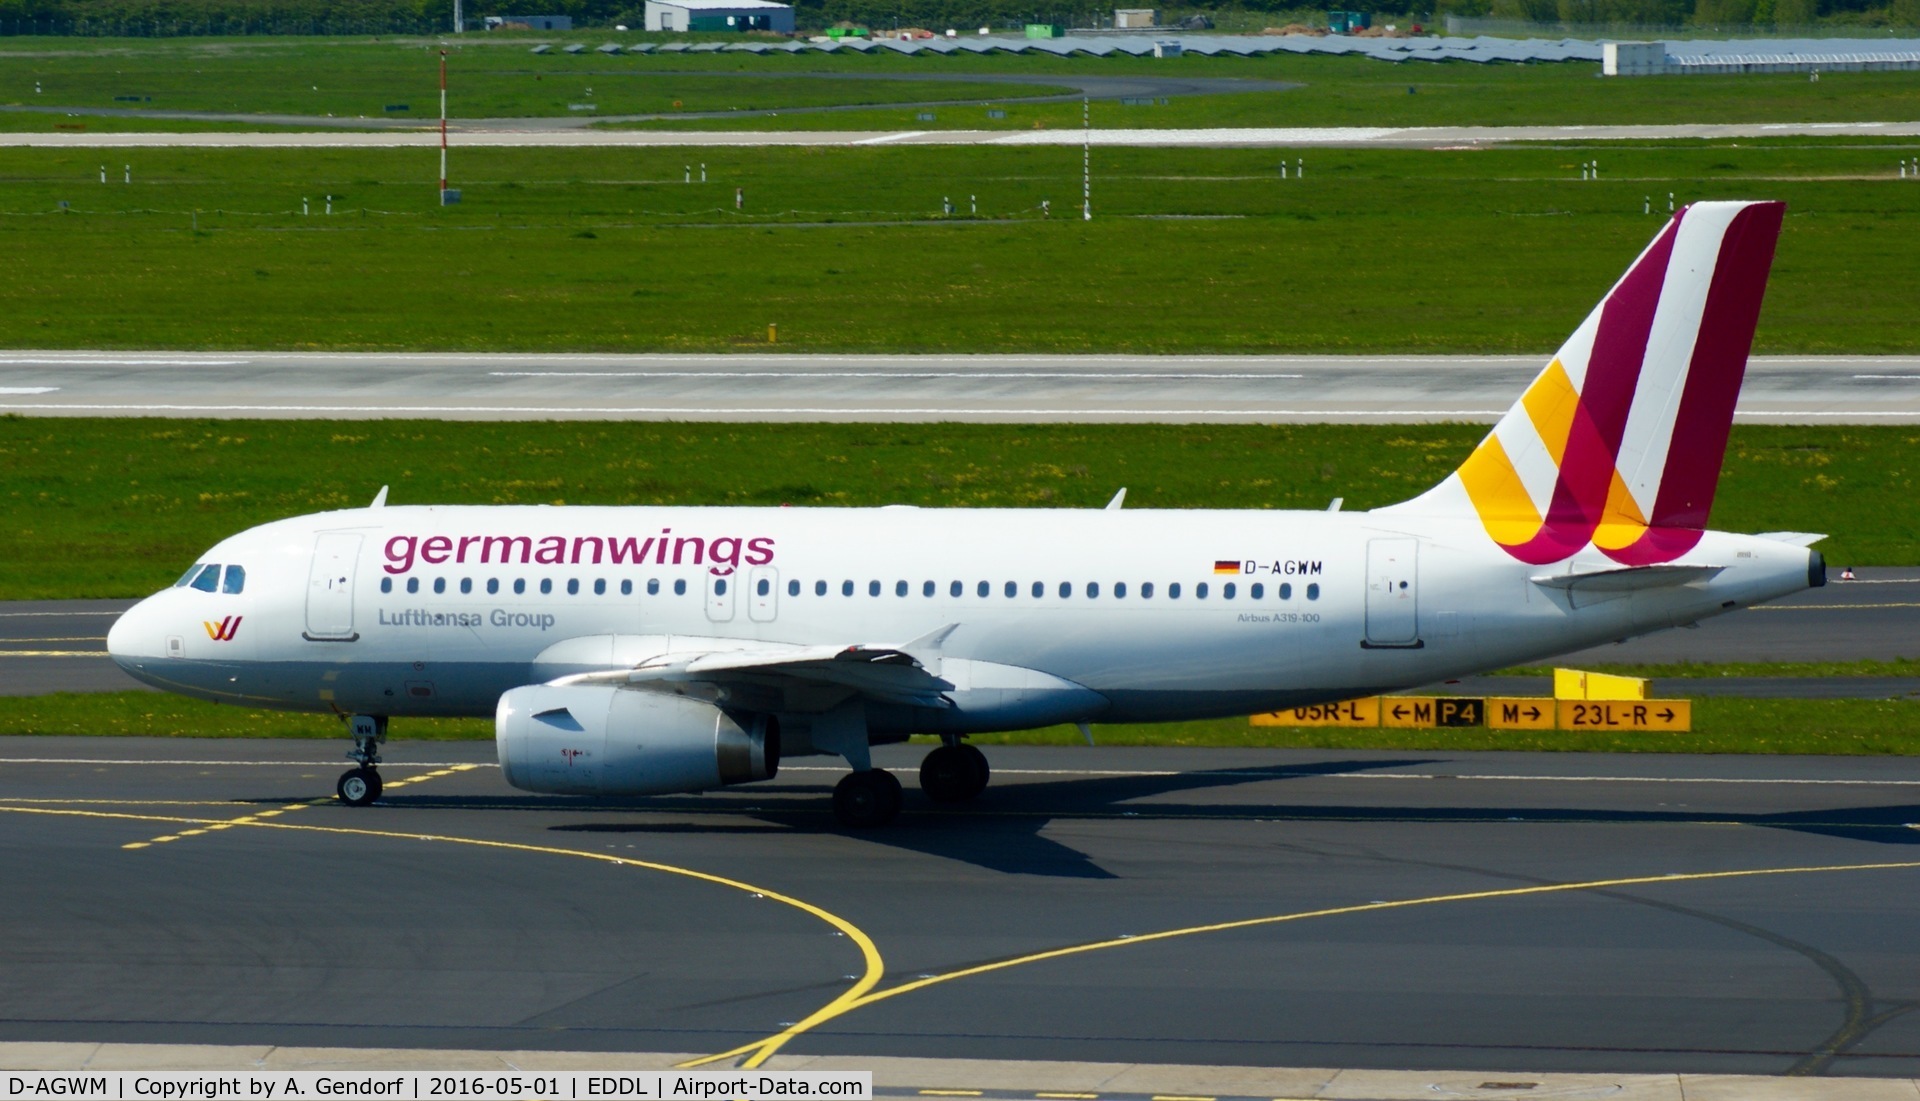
x: 235, y: 581
x: 188, y: 576
x: 208, y: 579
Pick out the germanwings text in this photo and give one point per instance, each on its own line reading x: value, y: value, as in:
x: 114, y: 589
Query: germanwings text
x: 721, y: 553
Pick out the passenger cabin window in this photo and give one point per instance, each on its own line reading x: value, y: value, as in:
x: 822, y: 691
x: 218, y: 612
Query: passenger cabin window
x: 519, y: 586
x: 1013, y: 589
x: 653, y: 586
x: 573, y: 586
x: 680, y: 587
x: 1313, y: 591
x: 899, y: 588
x: 793, y: 588
x: 466, y: 584
x: 1039, y: 589
x: 1173, y: 590
x: 1286, y: 590
x: 599, y: 586
x: 235, y: 580
x: 493, y: 585
x: 208, y: 579
x: 1119, y: 590
x: 1093, y: 590
x: 926, y: 589
x: 763, y: 587
x: 873, y: 588
x: 439, y: 584
x: 386, y: 584
x: 819, y: 588
x: 984, y: 588
x: 956, y: 588
x: 1227, y: 591
x: 1066, y: 589
x: 626, y: 588
x: 1200, y: 591
x: 1146, y: 590
x: 846, y: 588
x: 546, y: 585
x: 1256, y: 590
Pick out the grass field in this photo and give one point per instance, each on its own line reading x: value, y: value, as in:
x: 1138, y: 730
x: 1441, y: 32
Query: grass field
x: 846, y: 249
x: 1837, y: 727
x: 497, y: 77
x: 113, y: 508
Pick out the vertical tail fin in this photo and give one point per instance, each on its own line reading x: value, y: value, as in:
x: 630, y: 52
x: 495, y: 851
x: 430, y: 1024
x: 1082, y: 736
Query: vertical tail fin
x: 1619, y: 442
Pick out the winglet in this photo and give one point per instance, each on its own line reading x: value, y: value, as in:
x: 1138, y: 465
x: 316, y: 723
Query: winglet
x: 379, y: 499
x: 1114, y: 505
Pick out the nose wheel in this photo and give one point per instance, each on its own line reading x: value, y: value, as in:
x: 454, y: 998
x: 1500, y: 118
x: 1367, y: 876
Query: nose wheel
x: 358, y: 787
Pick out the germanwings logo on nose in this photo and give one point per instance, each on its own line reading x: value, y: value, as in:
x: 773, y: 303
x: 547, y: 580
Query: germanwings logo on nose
x: 224, y: 630
x: 1618, y: 444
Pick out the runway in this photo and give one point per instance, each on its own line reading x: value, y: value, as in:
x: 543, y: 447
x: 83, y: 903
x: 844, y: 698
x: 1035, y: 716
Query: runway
x: 540, y: 132
x: 60, y: 645
x: 1228, y: 907
x: 751, y: 386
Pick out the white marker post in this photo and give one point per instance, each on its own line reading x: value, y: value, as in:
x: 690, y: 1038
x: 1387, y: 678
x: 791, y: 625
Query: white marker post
x: 447, y: 197
x: 703, y: 172
x: 1086, y: 159
x: 103, y: 173
x: 129, y: 178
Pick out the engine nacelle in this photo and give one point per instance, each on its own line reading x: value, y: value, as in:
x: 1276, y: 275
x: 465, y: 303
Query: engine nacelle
x: 594, y: 740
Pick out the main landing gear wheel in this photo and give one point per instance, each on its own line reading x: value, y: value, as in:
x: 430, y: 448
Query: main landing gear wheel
x: 865, y: 800
x: 953, y: 773
x: 358, y: 787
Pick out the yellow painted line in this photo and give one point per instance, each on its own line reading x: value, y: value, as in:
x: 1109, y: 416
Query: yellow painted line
x: 768, y: 1047
x: 1179, y: 1097
x: 875, y: 967
x: 1075, y: 1096
x: 951, y: 1093
x: 1825, y: 607
x: 124, y: 802
x: 64, y: 638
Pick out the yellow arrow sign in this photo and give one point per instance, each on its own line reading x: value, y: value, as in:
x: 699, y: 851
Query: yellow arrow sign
x: 1626, y: 714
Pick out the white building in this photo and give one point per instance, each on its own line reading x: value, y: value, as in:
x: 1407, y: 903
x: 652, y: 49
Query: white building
x: 719, y: 15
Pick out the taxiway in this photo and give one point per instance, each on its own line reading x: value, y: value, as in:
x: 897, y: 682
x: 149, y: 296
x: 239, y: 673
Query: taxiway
x: 754, y: 386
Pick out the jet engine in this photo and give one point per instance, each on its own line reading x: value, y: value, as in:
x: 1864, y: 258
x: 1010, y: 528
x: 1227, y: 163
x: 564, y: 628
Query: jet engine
x: 596, y: 740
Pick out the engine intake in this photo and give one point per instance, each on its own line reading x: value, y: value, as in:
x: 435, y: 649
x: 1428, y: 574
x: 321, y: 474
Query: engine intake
x: 594, y: 740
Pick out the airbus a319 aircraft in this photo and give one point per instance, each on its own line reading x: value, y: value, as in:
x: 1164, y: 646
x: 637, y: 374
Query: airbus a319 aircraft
x: 641, y: 650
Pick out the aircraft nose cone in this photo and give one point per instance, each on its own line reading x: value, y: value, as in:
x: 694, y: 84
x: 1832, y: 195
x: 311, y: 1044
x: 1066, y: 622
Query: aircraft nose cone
x: 131, y: 637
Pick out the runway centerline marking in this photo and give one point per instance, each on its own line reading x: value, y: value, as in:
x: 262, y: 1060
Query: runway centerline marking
x: 765, y: 1049
x: 874, y: 966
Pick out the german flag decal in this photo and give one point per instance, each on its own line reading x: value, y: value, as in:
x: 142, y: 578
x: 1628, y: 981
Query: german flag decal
x: 1226, y: 566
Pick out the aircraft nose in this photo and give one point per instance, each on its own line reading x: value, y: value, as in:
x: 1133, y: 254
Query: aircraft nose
x: 133, y: 638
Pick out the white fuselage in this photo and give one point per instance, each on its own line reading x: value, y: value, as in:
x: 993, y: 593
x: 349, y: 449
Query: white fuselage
x: 1056, y: 615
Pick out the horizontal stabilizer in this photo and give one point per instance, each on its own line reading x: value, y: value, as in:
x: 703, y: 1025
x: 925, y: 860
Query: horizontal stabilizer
x: 1792, y: 538
x: 1626, y: 580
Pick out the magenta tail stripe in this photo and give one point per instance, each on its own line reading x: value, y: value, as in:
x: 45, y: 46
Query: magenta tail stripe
x: 1719, y: 364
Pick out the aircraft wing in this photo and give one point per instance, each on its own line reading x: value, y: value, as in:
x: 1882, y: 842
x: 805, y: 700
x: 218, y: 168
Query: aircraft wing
x: 794, y: 678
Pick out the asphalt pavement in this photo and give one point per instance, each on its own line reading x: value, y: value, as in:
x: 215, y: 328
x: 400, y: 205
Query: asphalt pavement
x: 548, y: 132
x: 758, y: 386
x: 1428, y: 911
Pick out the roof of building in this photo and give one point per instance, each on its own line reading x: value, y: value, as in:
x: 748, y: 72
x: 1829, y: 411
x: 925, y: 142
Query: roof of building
x: 720, y: 5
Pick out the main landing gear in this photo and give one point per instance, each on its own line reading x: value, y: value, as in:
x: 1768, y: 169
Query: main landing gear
x: 954, y: 773
x: 870, y: 797
x: 360, y: 785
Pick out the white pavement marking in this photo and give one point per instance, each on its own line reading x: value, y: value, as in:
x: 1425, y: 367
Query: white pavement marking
x: 1177, y: 376
x: 779, y: 410
x: 102, y: 361
x: 26, y: 391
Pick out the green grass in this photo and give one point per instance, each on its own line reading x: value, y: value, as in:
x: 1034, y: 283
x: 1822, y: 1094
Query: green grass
x: 1838, y: 727
x: 497, y: 77
x: 1190, y: 250
x: 115, y: 508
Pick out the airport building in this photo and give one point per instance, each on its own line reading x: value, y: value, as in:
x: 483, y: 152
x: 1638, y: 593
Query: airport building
x: 719, y: 15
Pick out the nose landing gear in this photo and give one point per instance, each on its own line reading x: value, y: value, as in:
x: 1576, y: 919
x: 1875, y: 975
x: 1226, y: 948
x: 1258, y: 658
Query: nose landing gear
x: 360, y: 785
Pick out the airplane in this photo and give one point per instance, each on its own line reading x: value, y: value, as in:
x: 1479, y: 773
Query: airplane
x: 643, y: 651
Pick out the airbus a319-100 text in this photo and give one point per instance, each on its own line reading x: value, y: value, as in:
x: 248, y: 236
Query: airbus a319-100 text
x: 640, y: 650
